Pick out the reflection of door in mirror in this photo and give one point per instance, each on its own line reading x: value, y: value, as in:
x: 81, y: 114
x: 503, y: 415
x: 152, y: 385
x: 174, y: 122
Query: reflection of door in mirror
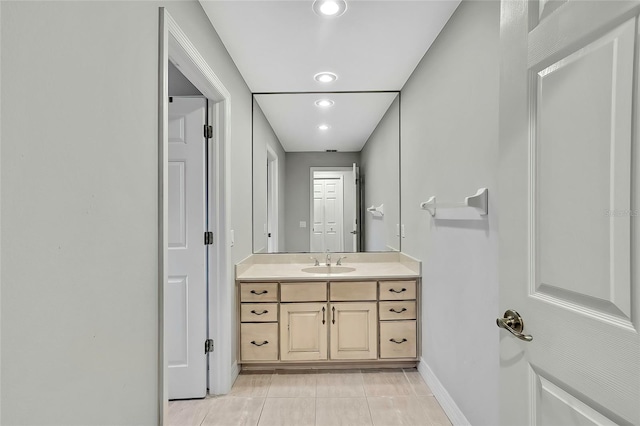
x: 333, y: 210
x: 272, y: 200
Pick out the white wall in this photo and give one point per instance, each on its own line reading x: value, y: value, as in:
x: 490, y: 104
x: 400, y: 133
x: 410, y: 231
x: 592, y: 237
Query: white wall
x: 449, y: 149
x: 79, y: 205
x: 298, y: 192
x: 380, y: 163
x: 264, y: 136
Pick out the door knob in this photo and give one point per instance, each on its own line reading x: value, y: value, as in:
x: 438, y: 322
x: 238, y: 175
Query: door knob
x: 513, y: 323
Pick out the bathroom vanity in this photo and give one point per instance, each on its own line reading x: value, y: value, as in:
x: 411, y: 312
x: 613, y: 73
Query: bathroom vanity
x: 365, y: 312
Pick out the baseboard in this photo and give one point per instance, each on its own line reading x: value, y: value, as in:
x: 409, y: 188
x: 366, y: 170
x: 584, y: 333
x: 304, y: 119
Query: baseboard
x: 446, y: 402
x: 235, y: 370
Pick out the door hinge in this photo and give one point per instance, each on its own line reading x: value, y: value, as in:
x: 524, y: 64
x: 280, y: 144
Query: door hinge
x: 208, y: 238
x: 208, y: 346
x: 208, y: 131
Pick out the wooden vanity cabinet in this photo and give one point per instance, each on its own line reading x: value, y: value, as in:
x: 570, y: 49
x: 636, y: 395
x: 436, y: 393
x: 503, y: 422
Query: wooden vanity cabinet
x: 328, y: 321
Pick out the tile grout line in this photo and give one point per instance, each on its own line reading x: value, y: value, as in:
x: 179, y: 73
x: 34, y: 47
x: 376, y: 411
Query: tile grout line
x: 404, y: 373
x: 264, y: 401
x: 369, y: 408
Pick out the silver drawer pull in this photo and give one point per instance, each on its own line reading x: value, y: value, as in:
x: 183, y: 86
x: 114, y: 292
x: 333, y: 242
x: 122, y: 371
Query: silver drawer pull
x: 393, y: 290
x: 398, y: 341
x: 397, y: 312
x: 253, y: 342
x: 259, y: 313
x: 259, y: 292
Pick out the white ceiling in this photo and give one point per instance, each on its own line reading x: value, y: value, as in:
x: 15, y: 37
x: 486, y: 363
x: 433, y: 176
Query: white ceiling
x: 295, y: 119
x: 278, y: 46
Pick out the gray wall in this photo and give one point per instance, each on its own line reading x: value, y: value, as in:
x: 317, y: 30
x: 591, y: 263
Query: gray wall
x: 298, y: 191
x: 449, y: 149
x: 79, y: 212
x: 264, y: 136
x: 380, y: 163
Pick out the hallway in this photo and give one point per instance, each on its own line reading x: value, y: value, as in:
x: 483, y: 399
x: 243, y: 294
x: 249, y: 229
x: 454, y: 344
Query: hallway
x: 330, y: 398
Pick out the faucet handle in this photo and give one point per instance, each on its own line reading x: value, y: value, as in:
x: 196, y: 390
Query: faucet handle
x: 316, y: 260
x: 339, y: 262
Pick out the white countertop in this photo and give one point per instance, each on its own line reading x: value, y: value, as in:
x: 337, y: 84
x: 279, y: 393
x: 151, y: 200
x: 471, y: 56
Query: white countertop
x: 281, y: 268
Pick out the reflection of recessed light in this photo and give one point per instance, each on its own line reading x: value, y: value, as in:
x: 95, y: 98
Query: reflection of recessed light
x: 325, y: 77
x: 324, y: 103
x: 329, y: 8
x: 323, y: 127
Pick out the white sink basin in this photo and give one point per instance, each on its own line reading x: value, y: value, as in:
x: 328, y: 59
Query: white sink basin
x: 328, y: 269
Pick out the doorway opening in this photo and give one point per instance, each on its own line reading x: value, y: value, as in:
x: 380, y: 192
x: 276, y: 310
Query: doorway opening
x: 214, y: 211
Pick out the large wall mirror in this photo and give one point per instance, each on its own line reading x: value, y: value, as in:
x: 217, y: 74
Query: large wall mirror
x: 326, y: 172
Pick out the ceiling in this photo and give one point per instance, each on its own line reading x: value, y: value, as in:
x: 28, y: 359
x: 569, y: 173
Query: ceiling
x: 278, y: 46
x: 365, y: 109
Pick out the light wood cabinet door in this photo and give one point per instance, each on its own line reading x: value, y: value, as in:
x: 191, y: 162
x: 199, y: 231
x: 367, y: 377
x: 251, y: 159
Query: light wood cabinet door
x: 303, y: 331
x: 354, y: 330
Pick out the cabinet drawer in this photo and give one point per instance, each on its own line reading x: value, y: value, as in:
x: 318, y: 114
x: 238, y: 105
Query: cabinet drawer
x: 398, y: 339
x: 397, y: 290
x: 303, y: 292
x: 402, y: 310
x: 345, y: 291
x: 259, y: 342
x: 259, y: 312
x: 258, y: 292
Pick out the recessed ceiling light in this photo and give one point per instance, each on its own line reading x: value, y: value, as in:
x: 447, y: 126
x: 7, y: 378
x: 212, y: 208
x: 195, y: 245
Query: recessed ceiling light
x: 325, y: 77
x: 323, y: 127
x: 329, y: 8
x: 324, y: 103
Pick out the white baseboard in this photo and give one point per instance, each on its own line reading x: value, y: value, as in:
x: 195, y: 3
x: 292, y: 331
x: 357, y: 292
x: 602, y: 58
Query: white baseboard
x: 446, y: 402
x: 235, y: 370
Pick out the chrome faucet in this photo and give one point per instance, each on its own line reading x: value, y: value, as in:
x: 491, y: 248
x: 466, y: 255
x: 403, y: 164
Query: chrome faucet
x: 328, y: 258
x: 339, y: 262
x: 316, y: 261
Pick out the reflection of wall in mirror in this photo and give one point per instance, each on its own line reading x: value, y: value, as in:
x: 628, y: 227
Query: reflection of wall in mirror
x: 264, y: 136
x: 380, y: 172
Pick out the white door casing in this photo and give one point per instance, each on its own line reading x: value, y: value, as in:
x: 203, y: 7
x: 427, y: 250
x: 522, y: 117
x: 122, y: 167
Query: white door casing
x: 569, y: 194
x: 175, y: 46
x: 356, y: 212
x: 272, y: 201
x: 186, y: 293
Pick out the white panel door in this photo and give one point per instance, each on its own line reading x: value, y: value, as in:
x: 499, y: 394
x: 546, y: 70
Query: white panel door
x: 569, y: 211
x: 186, y: 295
x: 328, y: 219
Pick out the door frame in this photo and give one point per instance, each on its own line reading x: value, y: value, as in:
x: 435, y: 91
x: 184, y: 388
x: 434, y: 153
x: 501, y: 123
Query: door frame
x: 175, y: 46
x: 273, y: 213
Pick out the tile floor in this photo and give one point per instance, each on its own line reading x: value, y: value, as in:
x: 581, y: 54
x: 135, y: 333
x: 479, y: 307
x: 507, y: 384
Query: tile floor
x: 350, y: 398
